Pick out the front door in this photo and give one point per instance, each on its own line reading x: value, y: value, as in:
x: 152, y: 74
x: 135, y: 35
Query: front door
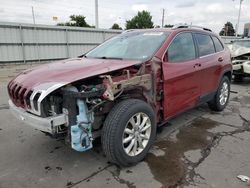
x: 181, y: 75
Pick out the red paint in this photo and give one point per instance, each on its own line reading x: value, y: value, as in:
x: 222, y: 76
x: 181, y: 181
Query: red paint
x: 182, y: 83
x: 71, y: 70
x: 185, y: 82
x: 181, y: 86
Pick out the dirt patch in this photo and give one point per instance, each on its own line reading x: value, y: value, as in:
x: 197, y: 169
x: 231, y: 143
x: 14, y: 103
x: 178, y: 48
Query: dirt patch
x: 171, y: 168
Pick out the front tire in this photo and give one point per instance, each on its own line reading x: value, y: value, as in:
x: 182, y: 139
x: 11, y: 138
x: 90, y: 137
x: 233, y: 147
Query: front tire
x: 221, y: 97
x: 128, y: 132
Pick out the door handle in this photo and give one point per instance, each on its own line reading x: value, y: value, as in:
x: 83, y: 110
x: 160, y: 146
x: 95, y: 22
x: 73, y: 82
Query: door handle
x: 197, y: 65
x: 220, y: 59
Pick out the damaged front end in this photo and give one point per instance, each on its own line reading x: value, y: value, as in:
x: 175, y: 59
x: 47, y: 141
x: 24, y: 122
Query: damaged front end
x: 241, y: 65
x: 87, y: 105
x: 240, y: 52
x: 76, y: 111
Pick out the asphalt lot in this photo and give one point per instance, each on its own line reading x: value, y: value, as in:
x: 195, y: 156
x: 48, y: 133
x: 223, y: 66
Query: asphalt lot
x: 200, y: 148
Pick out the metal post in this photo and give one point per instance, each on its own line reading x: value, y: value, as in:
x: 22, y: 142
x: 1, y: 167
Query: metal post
x: 67, y: 41
x: 33, y: 15
x: 36, y: 42
x: 163, y: 15
x: 22, y: 43
x: 103, y: 36
x: 35, y: 33
x: 238, y: 22
x: 96, y: 15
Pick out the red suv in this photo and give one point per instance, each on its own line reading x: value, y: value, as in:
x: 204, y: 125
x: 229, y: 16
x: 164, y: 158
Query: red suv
x: 124, y: 88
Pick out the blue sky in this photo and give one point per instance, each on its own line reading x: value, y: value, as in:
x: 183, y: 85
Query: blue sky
x: 212, y: 13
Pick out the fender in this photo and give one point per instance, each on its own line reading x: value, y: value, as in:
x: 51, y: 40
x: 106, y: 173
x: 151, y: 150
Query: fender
x: 227, y: 70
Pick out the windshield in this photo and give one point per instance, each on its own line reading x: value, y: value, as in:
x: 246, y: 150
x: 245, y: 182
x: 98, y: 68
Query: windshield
x: 131, y: 45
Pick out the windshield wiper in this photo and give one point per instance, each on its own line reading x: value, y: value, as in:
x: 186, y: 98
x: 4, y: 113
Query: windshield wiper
x: 81, y: 56
x: 104, y: 57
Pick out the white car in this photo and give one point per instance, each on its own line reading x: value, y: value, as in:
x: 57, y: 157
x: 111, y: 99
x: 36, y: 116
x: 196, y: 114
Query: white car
x: 240, y: 52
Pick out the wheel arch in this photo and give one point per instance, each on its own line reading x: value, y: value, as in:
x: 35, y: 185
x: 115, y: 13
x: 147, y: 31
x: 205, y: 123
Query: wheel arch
x: 227, y: 73
x: 137, y: 93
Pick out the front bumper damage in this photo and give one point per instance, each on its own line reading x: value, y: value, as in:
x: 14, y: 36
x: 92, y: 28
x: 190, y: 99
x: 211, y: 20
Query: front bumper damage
x: 49, y: 124
x: 80, y: 133
x: 241, y: 67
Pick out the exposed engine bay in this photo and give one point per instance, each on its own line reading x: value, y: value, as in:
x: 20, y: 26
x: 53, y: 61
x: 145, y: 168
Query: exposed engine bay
x: 87, y: 102
x: 240, y: 52
x: 241, y: 65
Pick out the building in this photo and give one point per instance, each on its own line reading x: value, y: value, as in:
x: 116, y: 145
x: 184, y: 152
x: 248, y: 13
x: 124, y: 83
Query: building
x: 247, y: 30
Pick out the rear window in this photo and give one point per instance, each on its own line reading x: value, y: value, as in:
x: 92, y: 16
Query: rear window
x: 218, y: 46
x: 205, y: 44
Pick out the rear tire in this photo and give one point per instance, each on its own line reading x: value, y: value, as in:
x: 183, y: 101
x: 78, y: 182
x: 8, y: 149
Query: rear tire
x: 221, y: 97
x: 128, y: 132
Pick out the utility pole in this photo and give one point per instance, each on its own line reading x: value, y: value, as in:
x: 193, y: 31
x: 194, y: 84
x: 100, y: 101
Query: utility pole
x: 163, y: 15
x: 33, y: 15
x: 96, y: 14
x: 238, y: 22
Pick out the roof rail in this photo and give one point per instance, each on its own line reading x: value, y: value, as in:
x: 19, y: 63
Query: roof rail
x: 190, y: 26
x: 129, y: 30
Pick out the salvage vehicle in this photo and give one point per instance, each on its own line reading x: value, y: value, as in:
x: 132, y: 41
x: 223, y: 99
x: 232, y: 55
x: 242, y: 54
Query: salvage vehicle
x: 240, y: 50
x: 124, y: 88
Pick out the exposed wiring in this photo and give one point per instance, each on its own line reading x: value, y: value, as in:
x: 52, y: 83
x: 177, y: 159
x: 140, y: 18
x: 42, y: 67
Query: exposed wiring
x: 102, y: 102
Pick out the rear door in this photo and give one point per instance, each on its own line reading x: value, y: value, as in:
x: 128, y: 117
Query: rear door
x: 209, y: 58
x: 180, y: 75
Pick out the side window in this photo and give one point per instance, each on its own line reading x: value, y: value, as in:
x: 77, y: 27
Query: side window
x: 218, y: 46
x: 182, y: 48
x: 205, y: 44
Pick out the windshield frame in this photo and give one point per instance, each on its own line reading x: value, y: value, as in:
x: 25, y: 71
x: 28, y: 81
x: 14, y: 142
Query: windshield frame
x: 166, y: 33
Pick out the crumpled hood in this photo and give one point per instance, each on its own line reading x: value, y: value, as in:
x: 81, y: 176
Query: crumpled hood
x: 237, y: 50
x: 70, y: 70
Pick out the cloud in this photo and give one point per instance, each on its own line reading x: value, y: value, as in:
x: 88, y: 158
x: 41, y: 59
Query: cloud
x: 215, y: 8
x: 185, y: 4
x: 212, y: 14
x: 139, y: 7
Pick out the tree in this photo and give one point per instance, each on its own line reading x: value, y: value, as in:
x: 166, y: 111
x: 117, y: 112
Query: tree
x: 77, y: 21
x: 142, y: 20
x: 227, y: 30
x: 116, y: 26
